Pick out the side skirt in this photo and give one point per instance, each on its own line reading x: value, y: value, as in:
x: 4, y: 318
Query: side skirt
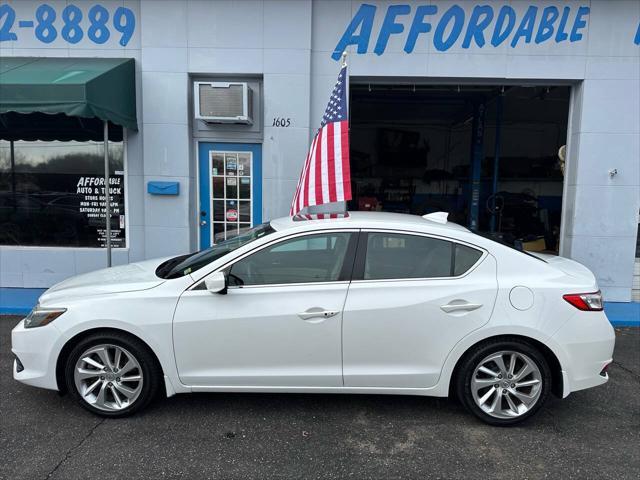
x: 427, y: 392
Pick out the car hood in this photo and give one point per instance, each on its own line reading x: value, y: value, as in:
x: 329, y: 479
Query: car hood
x: 125, y: 278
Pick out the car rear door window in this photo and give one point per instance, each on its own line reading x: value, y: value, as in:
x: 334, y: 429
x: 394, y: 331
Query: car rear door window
x: 308, y: 259
x: 397, y: 255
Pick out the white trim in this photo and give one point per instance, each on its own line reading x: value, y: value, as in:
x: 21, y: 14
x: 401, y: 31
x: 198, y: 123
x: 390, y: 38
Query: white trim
x: 568, y: 167
x: 270, y: 285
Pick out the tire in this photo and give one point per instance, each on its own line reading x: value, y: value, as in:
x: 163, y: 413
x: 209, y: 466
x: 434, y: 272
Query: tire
x: 497, y: 393
x: 126, y: 384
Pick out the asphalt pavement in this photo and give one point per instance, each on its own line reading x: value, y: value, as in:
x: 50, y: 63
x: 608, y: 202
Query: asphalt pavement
x: 591, y: 434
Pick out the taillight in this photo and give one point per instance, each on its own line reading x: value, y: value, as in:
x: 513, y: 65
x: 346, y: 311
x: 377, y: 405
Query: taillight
x: 585, y: 301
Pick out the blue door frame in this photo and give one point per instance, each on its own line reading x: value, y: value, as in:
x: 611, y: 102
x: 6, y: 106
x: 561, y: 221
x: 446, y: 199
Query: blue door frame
x: 204, y: 182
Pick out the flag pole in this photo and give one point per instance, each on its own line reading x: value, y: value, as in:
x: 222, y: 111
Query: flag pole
x: 348, y: 95
x: 107, y: 195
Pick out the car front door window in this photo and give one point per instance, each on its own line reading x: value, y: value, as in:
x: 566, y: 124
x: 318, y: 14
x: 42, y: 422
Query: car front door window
x: 308, y: 259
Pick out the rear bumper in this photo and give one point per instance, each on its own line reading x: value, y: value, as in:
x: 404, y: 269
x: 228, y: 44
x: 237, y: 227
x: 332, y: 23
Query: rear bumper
x: 36, y: 350
x: 587, y: 341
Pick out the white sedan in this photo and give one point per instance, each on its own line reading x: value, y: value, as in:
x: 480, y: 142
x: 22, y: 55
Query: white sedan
x: 367, y: 303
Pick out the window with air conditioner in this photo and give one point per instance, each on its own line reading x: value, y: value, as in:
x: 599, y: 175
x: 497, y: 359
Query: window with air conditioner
x: 223, y: 102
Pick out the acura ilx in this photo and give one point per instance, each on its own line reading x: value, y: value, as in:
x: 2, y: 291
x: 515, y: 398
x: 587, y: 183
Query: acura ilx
x: 368, y: 302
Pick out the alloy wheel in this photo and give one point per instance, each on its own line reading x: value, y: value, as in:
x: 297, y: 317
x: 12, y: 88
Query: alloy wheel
x: 506, y: 384
x: 108, y: 377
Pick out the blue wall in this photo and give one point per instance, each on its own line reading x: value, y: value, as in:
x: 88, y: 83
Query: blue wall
x: 18, y: 301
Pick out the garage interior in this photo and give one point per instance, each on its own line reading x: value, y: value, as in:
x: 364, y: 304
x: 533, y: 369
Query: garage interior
x: 490, y: 155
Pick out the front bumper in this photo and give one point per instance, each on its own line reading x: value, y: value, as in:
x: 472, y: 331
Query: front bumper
x: 36, y: 348
x: 587, y: 341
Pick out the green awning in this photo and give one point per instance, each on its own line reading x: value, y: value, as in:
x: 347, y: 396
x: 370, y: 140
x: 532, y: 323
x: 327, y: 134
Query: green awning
x: 98, y: 88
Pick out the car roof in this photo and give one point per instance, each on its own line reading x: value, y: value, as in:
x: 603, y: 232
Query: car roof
x: 367, y: 220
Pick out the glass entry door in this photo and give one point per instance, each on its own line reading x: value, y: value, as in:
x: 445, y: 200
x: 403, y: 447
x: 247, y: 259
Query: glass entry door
x: 230, y: 190
x: 231, y: 187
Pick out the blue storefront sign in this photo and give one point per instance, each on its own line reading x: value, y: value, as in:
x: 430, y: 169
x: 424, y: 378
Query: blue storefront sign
x: 484, y: 27
x: 71, y: 23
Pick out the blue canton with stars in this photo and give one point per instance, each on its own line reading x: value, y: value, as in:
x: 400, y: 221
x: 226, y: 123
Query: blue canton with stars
x: 337, y: 108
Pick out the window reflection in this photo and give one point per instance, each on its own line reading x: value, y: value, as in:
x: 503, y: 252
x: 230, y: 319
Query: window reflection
x: 52, y: 194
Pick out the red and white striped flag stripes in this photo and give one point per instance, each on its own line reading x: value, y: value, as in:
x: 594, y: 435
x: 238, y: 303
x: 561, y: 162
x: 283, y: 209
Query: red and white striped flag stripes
x: 326, y: 175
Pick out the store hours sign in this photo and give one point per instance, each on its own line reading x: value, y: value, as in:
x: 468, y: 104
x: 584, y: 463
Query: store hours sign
x: 71, y: 23
x: 90, y: 194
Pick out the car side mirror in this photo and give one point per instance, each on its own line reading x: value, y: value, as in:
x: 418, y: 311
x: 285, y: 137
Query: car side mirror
x: 216, y: 283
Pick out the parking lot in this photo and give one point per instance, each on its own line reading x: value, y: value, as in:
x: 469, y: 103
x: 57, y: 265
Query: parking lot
x: 591, y: 434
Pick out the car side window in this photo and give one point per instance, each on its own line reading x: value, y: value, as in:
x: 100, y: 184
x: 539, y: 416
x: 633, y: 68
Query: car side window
x: 397, y: 255
x: 465, y: 258
x: 312, y: 258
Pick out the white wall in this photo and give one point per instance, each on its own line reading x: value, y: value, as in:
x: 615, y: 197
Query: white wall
x: 41, y: 267
x: 290, y: 44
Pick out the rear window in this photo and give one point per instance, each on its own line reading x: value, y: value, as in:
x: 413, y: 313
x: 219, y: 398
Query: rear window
x: 513, y: 247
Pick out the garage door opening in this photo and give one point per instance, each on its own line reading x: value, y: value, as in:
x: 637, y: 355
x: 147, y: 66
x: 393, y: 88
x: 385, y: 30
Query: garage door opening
x: 424, y: 148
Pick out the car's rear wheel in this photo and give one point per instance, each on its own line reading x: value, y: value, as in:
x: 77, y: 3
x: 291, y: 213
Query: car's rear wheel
x: 112, y: 374
x: 504, y: 382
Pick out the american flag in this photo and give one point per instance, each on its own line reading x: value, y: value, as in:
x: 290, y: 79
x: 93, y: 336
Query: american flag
x: 326, y: 176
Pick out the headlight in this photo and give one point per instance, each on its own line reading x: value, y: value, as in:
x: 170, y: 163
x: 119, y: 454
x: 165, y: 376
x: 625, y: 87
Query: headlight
x: 40, y: 317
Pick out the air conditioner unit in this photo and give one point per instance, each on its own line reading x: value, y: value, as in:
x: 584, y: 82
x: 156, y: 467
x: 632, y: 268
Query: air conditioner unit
x: 223, y: 102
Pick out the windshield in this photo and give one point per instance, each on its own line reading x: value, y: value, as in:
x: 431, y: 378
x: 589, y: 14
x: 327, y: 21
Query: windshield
x: 185, y: 264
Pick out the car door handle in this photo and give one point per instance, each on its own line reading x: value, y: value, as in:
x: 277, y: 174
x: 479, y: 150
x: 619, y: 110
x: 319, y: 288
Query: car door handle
x: 317, y: 313
x: 457, y: 306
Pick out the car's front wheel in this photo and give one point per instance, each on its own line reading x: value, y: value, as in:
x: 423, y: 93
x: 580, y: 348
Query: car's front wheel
x: 112, y: 374
x: 503, y: 382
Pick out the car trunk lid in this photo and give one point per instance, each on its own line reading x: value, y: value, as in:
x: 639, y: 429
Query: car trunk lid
x: 567, y: 266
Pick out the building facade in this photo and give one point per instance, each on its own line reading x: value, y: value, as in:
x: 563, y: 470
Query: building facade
x: 566, y: 75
